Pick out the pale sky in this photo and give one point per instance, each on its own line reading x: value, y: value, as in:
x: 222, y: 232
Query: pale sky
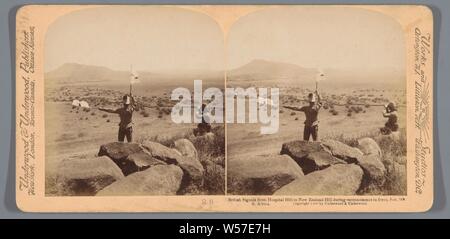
x: 164, y: 39
x: 319, y: 37
x: 149, y: 38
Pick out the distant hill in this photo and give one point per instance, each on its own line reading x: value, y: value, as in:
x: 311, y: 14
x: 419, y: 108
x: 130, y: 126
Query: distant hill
x: 263, y: 70
x: 78, y: 73
x: 74, y: 73
x: 256, y: 72
x: 259, y: 72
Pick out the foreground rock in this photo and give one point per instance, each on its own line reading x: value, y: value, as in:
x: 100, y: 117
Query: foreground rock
x: 140, y: 161
x: 369, y: 146
x: 119, y: 152
x: 300, y: 148
x: 374, y: 170
x: 261, y: 175
x: 161, y: 152
x: 157, y: 180
x: 186, y: 148
x: 309, y: 155
x: 190, y: 160
x: 342, y: 151
x: 85, y: 177
x: 339, y: 179
x: 190, y: 165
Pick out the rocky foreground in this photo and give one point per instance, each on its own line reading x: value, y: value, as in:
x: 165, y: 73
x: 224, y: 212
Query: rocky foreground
x: 149, y: 168
x: 329, y: 167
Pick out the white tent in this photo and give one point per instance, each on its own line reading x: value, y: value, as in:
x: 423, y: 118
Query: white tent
x: 76, y: 103
x: 269, y: 102
x: 84, y: 104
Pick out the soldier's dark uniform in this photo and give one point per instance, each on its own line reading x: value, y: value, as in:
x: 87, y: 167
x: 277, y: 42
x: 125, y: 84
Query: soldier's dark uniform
x: 391, y: 125
x: 203, y: 127
x: 126, y: 119
x: 311, y: 123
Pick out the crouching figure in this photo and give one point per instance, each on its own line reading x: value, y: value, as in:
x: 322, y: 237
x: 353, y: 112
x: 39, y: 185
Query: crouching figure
x: 391, y: 125
x: 204, y: 127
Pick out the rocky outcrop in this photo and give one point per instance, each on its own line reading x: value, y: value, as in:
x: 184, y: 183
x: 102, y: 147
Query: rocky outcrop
x: 157, y: 180
x: 374, y: 170
x: 329, y: 167
x: 310, y: 156
x: 369, y: 146
x: 186, y: 148
x: 342, y: 151
x: 142, y: 160
x: 187, y: 160
x: 191, y: 162
x: 119, y: 153
x: 191, y: 166
x: 85, y: 177
x: 161, y: 152
x: 300, y: 148
x: 261, y: 175
x: 339, y: 179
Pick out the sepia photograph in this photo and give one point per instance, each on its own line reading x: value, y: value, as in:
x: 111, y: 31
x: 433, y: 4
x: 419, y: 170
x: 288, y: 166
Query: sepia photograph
x: 340, y: 74
x: 224, y: 108
x: 109, y: 76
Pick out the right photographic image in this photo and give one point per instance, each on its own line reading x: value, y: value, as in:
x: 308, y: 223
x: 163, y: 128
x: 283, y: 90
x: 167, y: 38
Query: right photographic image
x: 318, y: 103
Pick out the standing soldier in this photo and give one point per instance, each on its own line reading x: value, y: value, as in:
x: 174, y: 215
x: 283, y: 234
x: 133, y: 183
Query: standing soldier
x: 391, y: 125
x: 311, y: 113
x: 126, y: 118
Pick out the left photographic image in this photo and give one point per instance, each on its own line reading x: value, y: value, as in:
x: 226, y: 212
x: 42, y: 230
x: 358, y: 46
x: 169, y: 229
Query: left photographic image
x: 112, y: 78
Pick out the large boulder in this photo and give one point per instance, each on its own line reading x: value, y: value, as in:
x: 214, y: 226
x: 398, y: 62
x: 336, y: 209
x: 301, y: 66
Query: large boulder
x: 130, y: 157
x: 310, y: 156
x: 261, y: 175
x: 300, y: 148
x: 369, y: 146
x: 162, y: 152
x: 186, y: 148
x: 191, y: 161
x: 339, y: 179
x: 85, y: 177
x: 157, y: 180
x: 140, y: 161
x: 190, y: 165
x: 119, y: 152
x: 374, y: 170
x: 342, y: 151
